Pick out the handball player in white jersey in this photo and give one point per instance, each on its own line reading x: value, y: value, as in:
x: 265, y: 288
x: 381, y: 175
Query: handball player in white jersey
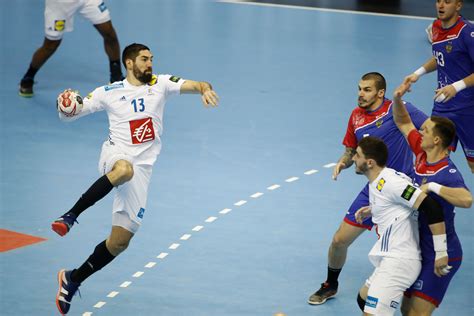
x: 135, y: 110
x: 394, y: 206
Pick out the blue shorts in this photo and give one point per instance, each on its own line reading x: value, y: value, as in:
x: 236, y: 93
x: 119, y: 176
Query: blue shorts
x: 430, y: 287
x: 464, y: 132
x: 361, y: 200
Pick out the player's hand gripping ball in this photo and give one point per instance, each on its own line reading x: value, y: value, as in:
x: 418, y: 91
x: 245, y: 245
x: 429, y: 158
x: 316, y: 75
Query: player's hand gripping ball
x: 69, y: 103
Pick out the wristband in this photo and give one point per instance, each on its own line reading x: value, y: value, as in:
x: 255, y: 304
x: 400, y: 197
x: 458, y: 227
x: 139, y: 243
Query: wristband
x: 439, y: 243
x: 434, y: 187
x: 420, y: 71
x: 459, y: 85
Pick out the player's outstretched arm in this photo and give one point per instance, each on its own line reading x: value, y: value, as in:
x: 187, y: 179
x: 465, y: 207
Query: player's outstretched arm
x: 401, y: 116
x: 344, y: 162
x: 208, y: 95
x: 459, y: 197
x: 435, y: 218
x: 448, y: 92
x: 428, y: 67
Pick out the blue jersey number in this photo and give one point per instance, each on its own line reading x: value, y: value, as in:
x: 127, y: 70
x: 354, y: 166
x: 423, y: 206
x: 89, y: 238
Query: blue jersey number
x: 141, y: 105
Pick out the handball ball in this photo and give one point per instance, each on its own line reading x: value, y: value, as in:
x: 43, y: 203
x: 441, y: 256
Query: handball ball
x: 69, y: 103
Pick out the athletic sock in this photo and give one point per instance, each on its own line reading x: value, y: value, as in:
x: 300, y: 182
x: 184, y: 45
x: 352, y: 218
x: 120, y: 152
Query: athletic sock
x: 96, y: 261
x: 97, y: 191
x: 333, y: 275
x: 30, y: 73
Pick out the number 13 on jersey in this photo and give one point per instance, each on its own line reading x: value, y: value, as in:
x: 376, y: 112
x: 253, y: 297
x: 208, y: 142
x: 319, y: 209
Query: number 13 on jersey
x: 138, y: 105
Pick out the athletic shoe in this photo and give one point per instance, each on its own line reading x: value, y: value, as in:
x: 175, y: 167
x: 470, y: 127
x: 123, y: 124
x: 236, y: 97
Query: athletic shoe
x: 66, y: 291
x: 64, y: 224
x: 326, y: 292
x: 26, y: 87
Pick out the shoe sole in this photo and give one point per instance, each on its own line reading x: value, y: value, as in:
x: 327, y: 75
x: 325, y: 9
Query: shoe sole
x: 323, y: 301
x: 25, y: 95
x: 60, y: 278
x: 59, y: 228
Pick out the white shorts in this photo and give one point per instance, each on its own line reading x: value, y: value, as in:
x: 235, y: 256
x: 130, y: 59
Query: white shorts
x: 387, y: 284
x: 59, y: 15
x: 130, y: 198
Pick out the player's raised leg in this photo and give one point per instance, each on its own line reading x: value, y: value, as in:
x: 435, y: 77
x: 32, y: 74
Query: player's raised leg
x: 121, y: 172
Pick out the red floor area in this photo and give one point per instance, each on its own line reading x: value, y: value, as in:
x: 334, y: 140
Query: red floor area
x: 10, y: 240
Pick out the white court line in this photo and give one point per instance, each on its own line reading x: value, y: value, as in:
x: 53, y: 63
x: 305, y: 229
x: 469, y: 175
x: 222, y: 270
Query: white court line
x: 99, y: 304
x: 287, y: 6
x: 329, y: 165
x: 310, y: 172
x: 292, y: 179
x: 173, y: 246
x: 225, y: 211
x: 162, y: 255
x: 240, y: 203
x: 211, y: 219
x: 198, y: 228
x: 150, y: 264
x: 113, y: 294
x: 185, y: 237
x: 138, y: 274
x: 273, y: 187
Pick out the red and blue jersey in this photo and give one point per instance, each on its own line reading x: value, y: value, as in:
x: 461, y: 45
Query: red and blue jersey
x: 447, y: 174
x: 379, y: 123
x: 453, y: 49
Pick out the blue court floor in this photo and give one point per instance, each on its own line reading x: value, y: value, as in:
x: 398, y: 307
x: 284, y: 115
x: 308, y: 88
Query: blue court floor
x: 241, y: 208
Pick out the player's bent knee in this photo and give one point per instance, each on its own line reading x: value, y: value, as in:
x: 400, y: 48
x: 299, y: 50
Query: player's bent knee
x: 117, y: 247
x: 122, y: 171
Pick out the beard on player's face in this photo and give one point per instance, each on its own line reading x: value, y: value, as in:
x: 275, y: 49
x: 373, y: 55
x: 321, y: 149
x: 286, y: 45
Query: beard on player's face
x: 143, y: 76
x: 361, y: 168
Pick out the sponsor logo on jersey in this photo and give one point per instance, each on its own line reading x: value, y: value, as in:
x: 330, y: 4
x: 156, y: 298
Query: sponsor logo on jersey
x: 154, y: 79
x: 424, y: 180
x: 378, y: 123
x: 89, y: 96
x: 394, y: 304
x: 418, y: 285
x: 174, y: 79
x: 452, y: 170
x: 380, y: 184
x: 113, y: 86
x: 472, y: 34
x: 102, y: 7
x: 59, y: 25
x: 449, y: 47
x: 141, y: 212
x: 408, y: 192
x: 142, y: 130
x: 371, y: 301
x: 123, y: 98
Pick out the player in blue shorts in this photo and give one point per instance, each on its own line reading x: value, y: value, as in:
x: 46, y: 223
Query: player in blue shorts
x: 440, y: 178
x: 453, y: 57
x: 373, y: 117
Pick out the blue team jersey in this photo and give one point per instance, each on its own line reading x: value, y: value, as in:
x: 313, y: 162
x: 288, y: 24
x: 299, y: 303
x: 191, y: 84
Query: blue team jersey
x: 453, y: 49
x: 379, y: 123
x: 445, y: 173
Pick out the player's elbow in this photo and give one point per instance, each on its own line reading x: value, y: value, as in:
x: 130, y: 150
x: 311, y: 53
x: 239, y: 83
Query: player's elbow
x: 466, y: 201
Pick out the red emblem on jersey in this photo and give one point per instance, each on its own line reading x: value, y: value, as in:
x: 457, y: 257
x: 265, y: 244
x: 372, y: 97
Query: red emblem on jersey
x: 142, y: 130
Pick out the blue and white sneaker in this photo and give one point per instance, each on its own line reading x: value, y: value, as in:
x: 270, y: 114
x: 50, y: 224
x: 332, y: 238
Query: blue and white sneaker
x: 64, y: 224
x: 66, y: 291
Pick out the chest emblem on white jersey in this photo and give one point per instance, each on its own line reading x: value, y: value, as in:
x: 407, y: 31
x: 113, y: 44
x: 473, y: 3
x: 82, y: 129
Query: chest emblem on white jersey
x: 142, y: 130
x: 380, y: 184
